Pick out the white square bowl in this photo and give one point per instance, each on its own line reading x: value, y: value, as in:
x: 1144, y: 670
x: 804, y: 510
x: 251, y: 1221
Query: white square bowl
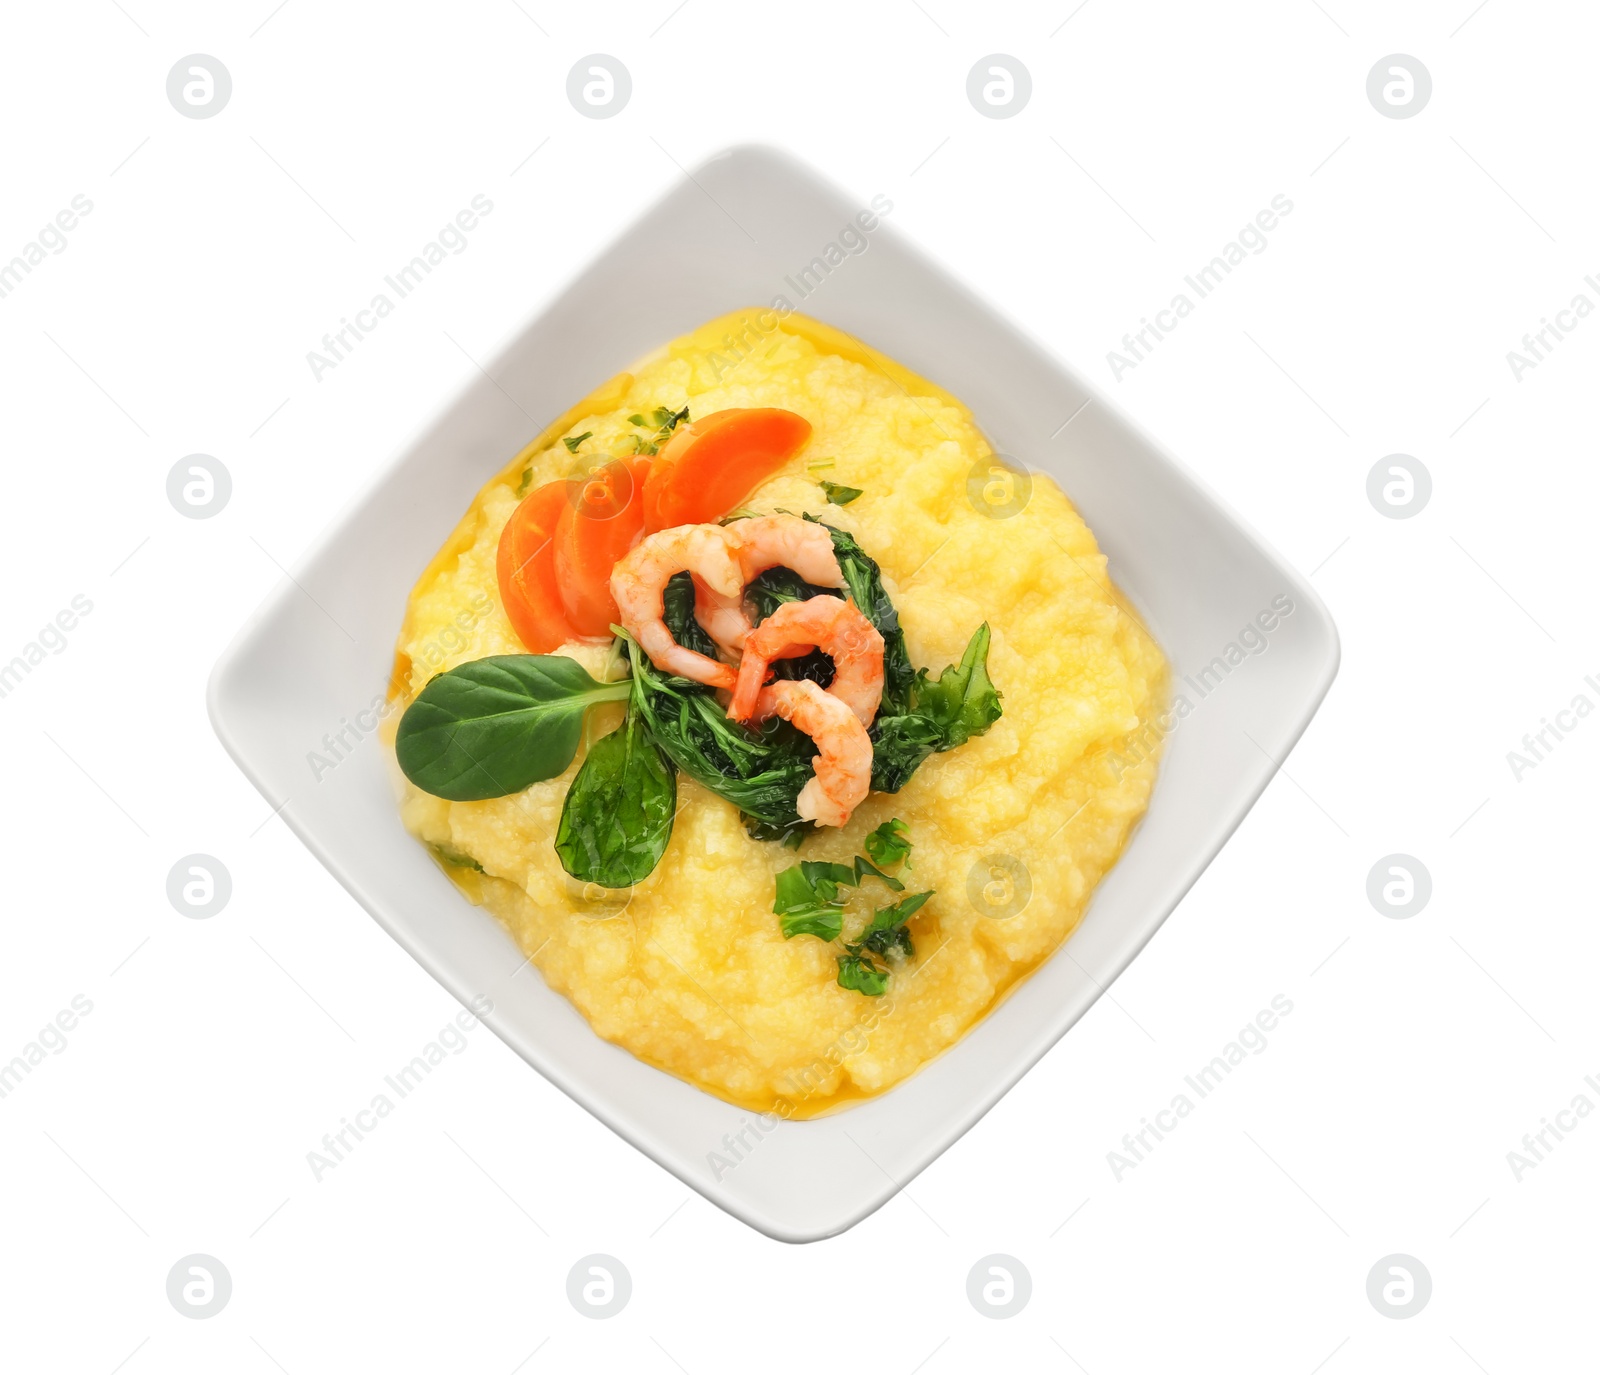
x: 729, y: 237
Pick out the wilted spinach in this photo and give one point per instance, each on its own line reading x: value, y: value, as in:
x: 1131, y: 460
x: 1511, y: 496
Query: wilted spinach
x: 760, y: 771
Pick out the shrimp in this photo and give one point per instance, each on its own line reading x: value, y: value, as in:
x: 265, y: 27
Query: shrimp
x: 842, y: 772
x: 767, y: 542
x: 838, y: 629
x: 639, y: 581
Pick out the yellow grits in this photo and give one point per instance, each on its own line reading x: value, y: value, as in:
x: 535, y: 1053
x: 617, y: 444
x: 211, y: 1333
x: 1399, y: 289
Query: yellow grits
x: 690, y: 972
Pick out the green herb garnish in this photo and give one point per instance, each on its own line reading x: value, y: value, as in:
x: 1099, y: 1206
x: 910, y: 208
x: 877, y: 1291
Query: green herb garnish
x: 527, y: 481
x: 573, y: 441
x: 666, y: 421
x: 841, y: 495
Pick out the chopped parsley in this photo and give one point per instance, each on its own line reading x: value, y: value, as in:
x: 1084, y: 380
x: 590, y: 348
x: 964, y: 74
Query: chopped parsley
x: 665, y: 420
x: 527, y: 481
x: 573, y: 441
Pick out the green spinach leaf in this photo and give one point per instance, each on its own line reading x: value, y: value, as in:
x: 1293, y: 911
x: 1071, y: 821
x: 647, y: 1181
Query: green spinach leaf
x: 678, y: 599
x: 808, y: 903
x: 887, y: 844
x: 492, y: 727
x: 804, y: 911
x: 887, y: 933
x: 447, y: 854
x: 839, y: 494
x: 900, y: 744
x: 865, y: 583
x: 617, y: 819
x: 865, y: 868
x: 824, y: 877
x: 860, y: 975
x: 916, y: 718
x: 940, y: 715
x: 963, y: 702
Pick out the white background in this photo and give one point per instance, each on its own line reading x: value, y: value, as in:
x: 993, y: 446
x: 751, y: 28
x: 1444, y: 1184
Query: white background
x: 1378, y: 1120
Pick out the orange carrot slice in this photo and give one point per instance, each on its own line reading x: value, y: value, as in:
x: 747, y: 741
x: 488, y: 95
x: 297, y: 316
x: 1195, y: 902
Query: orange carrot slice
x: 602, y: 521
x: 712, y: 464
x: 525, y: 565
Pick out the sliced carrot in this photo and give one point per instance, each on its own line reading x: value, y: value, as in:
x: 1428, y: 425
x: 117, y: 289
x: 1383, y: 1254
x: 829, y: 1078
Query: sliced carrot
x: 525, y: 565
x: 712, y: 464
x: 602, y: 521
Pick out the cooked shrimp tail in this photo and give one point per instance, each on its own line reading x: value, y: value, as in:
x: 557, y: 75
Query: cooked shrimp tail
x: 838, y: 629
x: 842, y: 772
x: 765, y: 542
x: 639, y: 582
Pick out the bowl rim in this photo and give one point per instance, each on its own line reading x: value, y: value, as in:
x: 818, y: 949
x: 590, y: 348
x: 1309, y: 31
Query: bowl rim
x: 1310, y: 696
